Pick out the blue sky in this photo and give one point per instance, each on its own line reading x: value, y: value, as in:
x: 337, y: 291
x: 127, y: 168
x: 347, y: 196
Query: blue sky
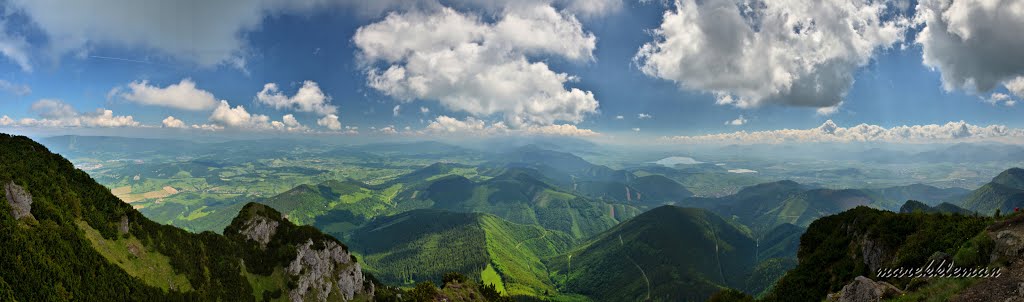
x: 79, y: 59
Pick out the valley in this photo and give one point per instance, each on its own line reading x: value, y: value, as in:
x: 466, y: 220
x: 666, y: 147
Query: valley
x: 531, y: 221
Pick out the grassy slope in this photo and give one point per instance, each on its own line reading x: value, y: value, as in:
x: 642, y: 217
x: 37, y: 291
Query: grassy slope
x: 422, y: 245
x: 151, y: 267
x: 516, y: 251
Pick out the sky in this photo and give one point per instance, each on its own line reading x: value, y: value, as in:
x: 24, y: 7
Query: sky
x: 669, y: 71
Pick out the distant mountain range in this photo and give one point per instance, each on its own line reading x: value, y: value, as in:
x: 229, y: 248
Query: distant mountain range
x: 534, y: 222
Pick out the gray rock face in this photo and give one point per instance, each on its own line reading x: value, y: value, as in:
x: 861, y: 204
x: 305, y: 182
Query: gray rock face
x: 260, y: 229
x: 875, y: 255
x: 863, y: 289
x: 123, y: 227
x: 322, y: 271
x: 1009, y: 245
x: 19, y: 199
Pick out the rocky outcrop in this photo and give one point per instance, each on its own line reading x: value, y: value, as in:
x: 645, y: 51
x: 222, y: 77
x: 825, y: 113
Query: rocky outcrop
x: 322, y: 268
x: 1009, y: 285
x: 19, y: 199
x: 260, y: 229
x: 321, y: 271
x: 874, y: 253
x: 1009, y: 244
x: 863, y: 289
x: 123, y: 227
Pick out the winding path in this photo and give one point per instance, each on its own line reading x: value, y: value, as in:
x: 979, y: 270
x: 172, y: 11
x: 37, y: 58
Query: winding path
x: 542, y: 235
x: 648, y: 281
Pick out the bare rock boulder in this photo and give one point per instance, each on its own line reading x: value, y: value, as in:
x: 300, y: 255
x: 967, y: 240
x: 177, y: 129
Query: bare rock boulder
x: 863, y: 289
x: 19, y: 199
x: 122, y: 228
x: 1009, y: 244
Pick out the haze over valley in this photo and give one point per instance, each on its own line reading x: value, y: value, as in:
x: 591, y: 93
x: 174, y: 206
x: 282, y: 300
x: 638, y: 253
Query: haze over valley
x: 527, y: 150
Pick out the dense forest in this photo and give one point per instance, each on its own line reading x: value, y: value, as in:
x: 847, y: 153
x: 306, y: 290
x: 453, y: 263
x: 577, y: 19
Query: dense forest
x: 52, y: 254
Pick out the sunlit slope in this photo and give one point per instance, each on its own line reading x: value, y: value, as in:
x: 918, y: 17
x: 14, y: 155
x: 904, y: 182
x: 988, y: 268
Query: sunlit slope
x: 424, y: 244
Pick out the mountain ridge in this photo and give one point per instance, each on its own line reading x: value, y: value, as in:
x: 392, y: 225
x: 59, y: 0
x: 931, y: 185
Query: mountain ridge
x: 76, y: 228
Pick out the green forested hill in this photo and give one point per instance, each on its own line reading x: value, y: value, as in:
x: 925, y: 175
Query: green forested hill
x: 647, y: 191
x: 666, y: 254
x: 751, y: 201
x: 835, y: 249
x: 1013, y: 177
x: 924, y: 193
x: 517, y: 195
x: 64, y: 237
x: 423, y: 245
x: 803, y: 208
x: 912, y: 206
x: 1005, y: 192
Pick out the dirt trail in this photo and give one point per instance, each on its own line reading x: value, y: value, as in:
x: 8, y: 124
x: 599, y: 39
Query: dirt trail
x: 542, y: 235
x: 642, y: 272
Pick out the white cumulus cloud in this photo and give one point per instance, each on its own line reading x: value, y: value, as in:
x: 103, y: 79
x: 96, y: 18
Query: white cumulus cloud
x: 389, y: 130
x: 475, y: 127
x: 330, y: 122
x: 172, y: 122
x: 830, y: 132
x: 1000, y: 98
x: 290, y: 124
x: 481, y: 68
x: 237, y: 117
x: 1016, y: 86
x: 309, y: 98
x: 183, y: 95
x: 975, y: 44
x: 739, y: 121
x: 56, y: 113
x: 205, y: 33
x: 748, y: 53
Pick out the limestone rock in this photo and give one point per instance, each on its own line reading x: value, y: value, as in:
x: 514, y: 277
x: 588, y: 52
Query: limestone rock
x: 1009, y: 245
x: 874, y: 254
x: 260, y: 229
x: 123, y: 227
x: 863, y: 289
x: 19, y: 199
x: 321, y: 271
